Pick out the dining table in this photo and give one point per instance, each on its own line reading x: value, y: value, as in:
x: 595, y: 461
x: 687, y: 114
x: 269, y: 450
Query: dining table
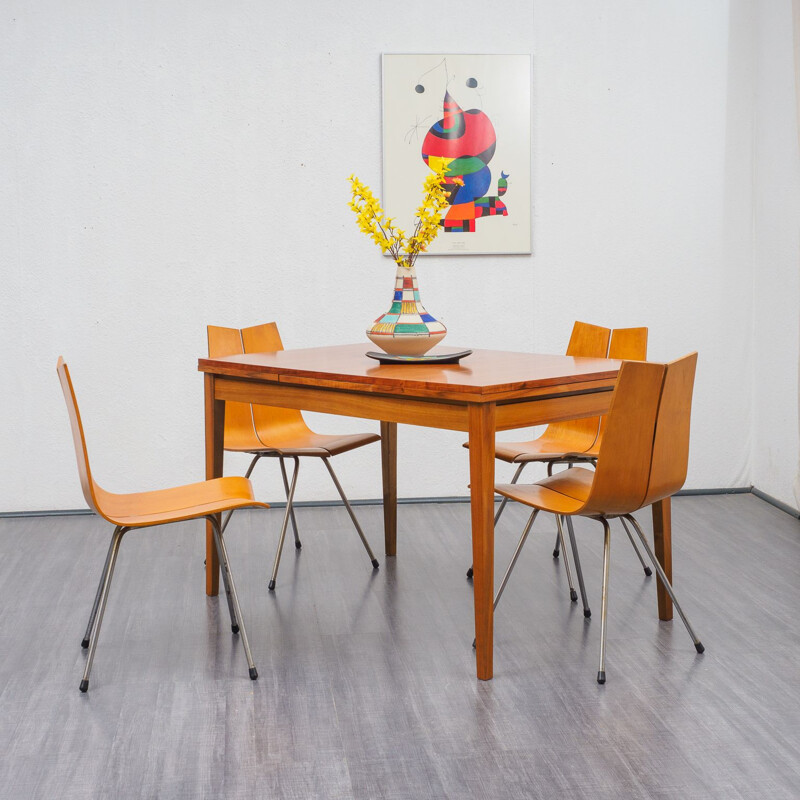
x: 485, y: 392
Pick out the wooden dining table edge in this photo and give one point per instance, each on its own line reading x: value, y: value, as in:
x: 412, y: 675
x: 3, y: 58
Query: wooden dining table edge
x: 397, y: 379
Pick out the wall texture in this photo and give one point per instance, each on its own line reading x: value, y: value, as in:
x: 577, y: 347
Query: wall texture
x: 776, y: 267
x: 168, y: 165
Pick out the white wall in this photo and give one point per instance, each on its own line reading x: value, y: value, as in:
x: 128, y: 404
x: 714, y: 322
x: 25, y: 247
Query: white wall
x: 776, y: 276
x: 169, y: 165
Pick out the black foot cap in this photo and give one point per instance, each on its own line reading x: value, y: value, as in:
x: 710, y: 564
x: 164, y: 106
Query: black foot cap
x: 84, y: 686
x: 587, y: 612
x: 573, y: 595
x: 648, y: 571
x: 469, y: 572
x: 601, y: 676
x: 555, y: 553
x: 699, y: 647
x: 235, y: 628
x: 85, y: 643
x: 375, y: 563
x: 272, y: 586
x: 298, y: 545
x: 253, y: 673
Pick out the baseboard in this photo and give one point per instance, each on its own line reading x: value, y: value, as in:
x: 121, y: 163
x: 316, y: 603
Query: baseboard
x: 730, y: 490
x: 377, y: 501
x: 64, y: 512
x: 773, y: 501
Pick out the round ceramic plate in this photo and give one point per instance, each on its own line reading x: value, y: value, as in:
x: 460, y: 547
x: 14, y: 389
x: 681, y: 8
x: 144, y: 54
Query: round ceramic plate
x: 435, y: 358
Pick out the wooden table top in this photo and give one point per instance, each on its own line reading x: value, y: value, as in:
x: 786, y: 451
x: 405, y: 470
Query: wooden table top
x: 483, y: 374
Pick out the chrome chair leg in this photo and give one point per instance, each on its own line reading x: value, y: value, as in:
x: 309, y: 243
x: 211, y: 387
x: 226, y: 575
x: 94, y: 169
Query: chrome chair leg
x: 284, y: 525
x: 573, y: 595
x: 297, y: 543
x: 226, y: 583
x: 503, y: 502
x: 349, y: 508
x: 247, y: 475
x: 587, y: 612
x: 647, y: 570
x: 230, y: 589
x: 517, y: 551
x: 698, y: 645
x: 505, y: 499
x: 514, y: 558
x: 87, y: 635
x: 601, y: 674
x: 98, y: 618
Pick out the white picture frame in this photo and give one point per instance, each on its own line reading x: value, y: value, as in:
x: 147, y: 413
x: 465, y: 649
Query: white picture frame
x: 485, y: 129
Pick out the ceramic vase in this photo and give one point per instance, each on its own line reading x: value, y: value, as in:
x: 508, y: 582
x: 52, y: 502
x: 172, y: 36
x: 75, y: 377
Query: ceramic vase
x: 406, y: 329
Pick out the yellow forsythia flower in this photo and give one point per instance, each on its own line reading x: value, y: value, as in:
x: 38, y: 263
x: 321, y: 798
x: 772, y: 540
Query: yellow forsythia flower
x: 373, y: 222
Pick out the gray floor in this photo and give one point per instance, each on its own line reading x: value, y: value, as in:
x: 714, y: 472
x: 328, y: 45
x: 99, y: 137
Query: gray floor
x: 367, y: 685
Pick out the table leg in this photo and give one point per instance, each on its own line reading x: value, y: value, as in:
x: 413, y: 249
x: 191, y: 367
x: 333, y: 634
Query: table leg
x: 389, y: 469
x: 215, y: 430
x: 481, y: 476
x: 662, y: 546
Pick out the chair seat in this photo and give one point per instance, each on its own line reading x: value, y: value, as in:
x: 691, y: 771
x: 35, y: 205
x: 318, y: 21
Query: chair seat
x: 542, y: 449
x: 564, y: 493
x: 546, y: 449
x: 308, y: 443
x: 140, y: 509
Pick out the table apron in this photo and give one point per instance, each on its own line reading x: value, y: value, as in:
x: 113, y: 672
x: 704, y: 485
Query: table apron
x: 428, y: 412
x: 554, y: 408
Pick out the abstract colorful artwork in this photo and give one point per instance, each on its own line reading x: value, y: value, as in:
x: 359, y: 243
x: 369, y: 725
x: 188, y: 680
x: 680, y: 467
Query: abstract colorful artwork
x: 470, y: 114
x: 464, y: 143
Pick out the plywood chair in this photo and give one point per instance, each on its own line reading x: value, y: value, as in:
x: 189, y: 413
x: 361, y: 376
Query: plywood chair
x: 572, y: 435
x: 146, y: 509
x: 627, y: 344
x: 265, y: 431
x: 577, y: 441
x: 642, y: 458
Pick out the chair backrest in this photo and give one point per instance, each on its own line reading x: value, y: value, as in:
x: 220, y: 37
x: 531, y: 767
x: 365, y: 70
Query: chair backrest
x: 78, y: 439
x: 240, y: 431
x: 671, y: 443
x: 645, y: 449
x: 270, y: 421
x: 627, y: 344
x: 246, y: 426
x: 588, y: 341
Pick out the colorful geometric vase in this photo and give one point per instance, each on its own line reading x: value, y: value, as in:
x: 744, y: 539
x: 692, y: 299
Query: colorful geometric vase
x: 406, y: 329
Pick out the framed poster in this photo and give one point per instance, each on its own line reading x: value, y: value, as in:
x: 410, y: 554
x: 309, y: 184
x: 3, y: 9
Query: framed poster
x: 471, y: 113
